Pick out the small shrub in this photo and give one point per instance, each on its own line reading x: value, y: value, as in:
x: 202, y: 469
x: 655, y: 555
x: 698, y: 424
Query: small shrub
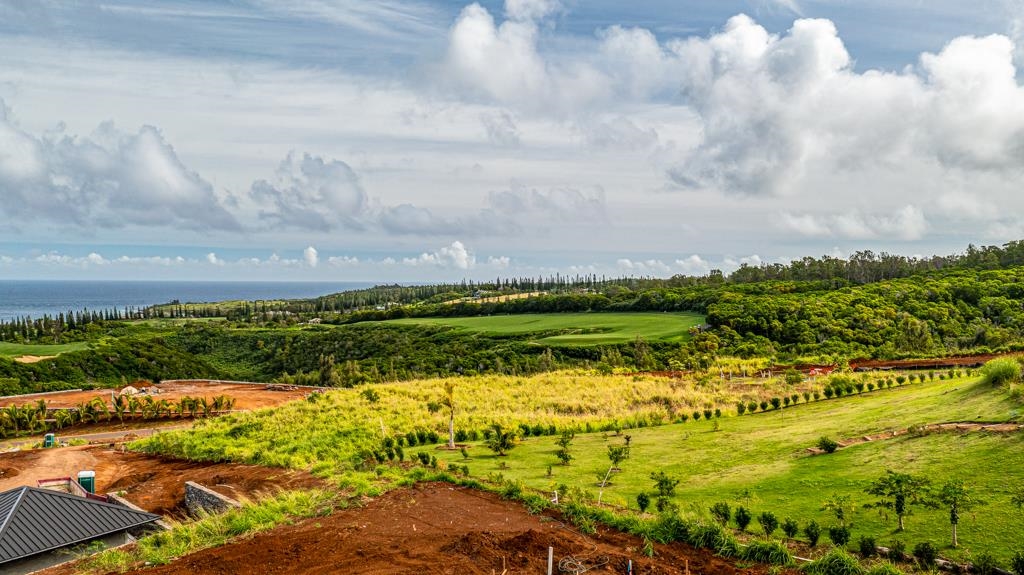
x: 643, y: 501
x: 790, y: 528
x: 683, y: 418
x: 721, y: 512
x: 867, y: 546
x: 786, y: 401
x: 742, y: 517
x: 898, y: 551
x: 1017, y: 563
x: 696, y: 416
x: 764, y: 406
x: 776, y: 402
x: 900, y: 380
x: 816, y: 395
x: 1000, y: 372
x: 741, y: 408
x: 839, y: 535
x: 835, y: 562
x: 985, y: 564
x: 827, y: 444
x: 708, y: 414
x: 768, y: 522
x: 813, y: 533
x: 718, y: 412
x: 828, y: 393
x: 423, y: 457
x: 807, y: 396
x: 752, y: 406
x: 770, y: 552
x: 925, y: 553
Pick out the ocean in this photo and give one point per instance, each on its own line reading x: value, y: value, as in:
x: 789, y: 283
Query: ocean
x: 36, y: 298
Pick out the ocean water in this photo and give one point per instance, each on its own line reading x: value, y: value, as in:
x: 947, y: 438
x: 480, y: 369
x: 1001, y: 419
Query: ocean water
x: 37, y: 298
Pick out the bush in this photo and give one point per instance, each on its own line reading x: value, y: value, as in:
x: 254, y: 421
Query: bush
x: 721, y: 512
x: 742, y: 517
x: 813, y: 533
x: 708, y: 414
x: 643, y: 501
x: 764, y: 406
x: 985, y: 564
x: 696, y: 416
x: 752, y: 406
x: 827, y: 444
x: 835, y: 562
x: 898, y: 551
x: 741, y: 408
x: 776, y: 402
x: 1000, y: 371
x: 770, y: 552
x: 1017, y: 563
x: 867, y: 546
x: 926, y: 554
x: 839, y: 535
x: 790, y: 528
x: 768, y: 522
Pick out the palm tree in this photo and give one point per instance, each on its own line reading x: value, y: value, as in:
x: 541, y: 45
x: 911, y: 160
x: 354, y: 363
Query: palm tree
x: 499, y: 440
x: 449, y: 402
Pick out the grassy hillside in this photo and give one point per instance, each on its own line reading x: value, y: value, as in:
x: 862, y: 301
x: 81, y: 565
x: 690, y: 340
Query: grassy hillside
x: 762, y: 462
x: 576, y: 328
x: 759, y: 461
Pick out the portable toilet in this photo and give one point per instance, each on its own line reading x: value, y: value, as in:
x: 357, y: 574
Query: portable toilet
x: 87, y: 479
x: 49, y: 440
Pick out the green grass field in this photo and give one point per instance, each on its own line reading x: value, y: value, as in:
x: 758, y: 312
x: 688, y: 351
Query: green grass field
x: 761, y: 462
x: 11, y: 350
x: 576, y: 328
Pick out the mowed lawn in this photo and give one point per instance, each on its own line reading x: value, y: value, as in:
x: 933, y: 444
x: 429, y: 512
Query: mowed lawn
x: 761, y: 461
x: 11, y: 350
x: 576, y: 328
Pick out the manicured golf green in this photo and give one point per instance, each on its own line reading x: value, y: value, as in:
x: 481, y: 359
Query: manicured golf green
x: 576, y: 328
x: 8, y: 349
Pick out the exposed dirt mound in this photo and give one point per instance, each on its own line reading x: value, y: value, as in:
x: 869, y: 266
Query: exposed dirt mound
x: 440, y: 529
x: 153, y: 483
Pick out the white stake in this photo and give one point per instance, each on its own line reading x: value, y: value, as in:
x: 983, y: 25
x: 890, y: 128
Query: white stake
x: 551, y: 560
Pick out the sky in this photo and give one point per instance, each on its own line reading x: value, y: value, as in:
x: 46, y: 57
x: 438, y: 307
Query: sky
x: 430, y: 140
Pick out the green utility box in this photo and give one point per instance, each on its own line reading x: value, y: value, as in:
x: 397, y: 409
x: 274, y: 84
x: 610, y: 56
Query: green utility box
x: 49, y: 440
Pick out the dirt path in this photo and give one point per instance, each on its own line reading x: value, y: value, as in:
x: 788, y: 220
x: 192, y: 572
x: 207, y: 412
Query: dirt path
x: 247, y: 396
x: 153, y: 483
x: 438, y: 529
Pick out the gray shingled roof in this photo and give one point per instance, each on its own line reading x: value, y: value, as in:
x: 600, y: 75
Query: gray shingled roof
x: 34, y: 521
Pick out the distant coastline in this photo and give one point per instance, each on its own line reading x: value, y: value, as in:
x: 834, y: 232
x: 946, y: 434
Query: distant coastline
x: 35, y: 298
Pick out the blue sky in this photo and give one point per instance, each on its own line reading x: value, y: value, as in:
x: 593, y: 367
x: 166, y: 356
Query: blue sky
x: 414, y: 140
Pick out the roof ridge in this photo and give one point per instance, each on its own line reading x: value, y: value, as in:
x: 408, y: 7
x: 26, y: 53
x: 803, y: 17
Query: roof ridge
x: 78, y: 499
x: 7, y: 520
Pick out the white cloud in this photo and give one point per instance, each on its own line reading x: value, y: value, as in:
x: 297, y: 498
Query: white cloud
x: 311, y: 256
x: 499, y: 262
x: 966, y: 206
x: 530, y: 9
x: 111, y: 179
x: 343, y: 261
x: 212, y: 258
x: 454, y: 256
x: 693, y: 266
x: 907, y: 223
x: 647, y: 267
x: 312, y: 193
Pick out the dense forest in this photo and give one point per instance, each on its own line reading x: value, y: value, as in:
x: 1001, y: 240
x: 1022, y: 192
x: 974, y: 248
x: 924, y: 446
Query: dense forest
x: 822, y: 310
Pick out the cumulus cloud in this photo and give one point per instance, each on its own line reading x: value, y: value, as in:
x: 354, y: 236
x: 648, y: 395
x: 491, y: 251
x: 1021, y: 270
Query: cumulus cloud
x: 312, y: 193
x: 908, y: 223
x: 311, y: 257
x: 455, y: 256
x: 693, y: 266
x: 111, y: 179
x: 499, y: 262
x: 212, y: 259
x: 645, y: 267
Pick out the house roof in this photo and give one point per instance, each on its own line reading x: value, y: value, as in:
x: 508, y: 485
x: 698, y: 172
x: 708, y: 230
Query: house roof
x: 35, y: 520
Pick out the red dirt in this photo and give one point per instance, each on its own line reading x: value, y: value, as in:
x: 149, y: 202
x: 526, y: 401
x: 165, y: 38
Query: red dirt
x: 247, y: 396
x: 438, y: 529
x: 934, y: 363
x: 153, y: 483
